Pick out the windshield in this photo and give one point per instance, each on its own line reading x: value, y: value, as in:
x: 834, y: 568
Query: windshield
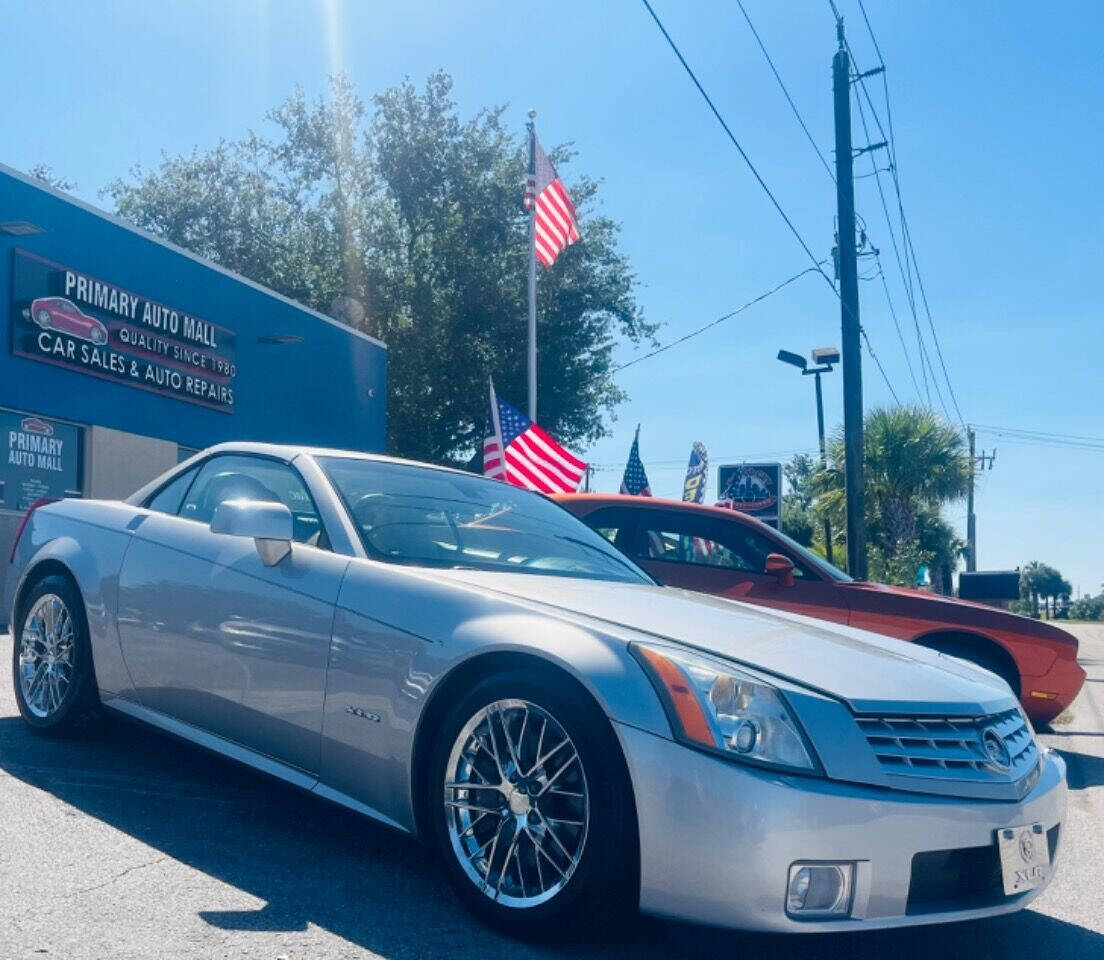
x: 818, y: 563
x: 437, y: 518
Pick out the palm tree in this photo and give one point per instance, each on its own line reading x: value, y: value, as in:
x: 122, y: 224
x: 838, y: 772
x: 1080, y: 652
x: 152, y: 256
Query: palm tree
x: 913, y: 462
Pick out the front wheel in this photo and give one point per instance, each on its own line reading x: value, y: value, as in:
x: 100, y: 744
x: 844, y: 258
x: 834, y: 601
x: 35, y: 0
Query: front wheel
x: 530, y: 804
x: 55, y: 686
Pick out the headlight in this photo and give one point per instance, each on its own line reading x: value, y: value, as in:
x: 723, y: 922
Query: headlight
x: 723, y: 709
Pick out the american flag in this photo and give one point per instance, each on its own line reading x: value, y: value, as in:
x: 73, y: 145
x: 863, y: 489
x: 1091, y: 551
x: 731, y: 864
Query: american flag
x: 635, y: 482
x: 555, y: 226
x: 520, y: 452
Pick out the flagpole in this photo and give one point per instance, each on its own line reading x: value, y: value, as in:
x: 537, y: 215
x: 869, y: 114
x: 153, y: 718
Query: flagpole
x: 532, y: 273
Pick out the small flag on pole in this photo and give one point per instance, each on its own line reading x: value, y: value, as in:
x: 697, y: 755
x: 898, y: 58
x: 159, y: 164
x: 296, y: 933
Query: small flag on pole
x: 555, y: 226
x: 519, y: 452
x: 693, y: 489
x: 635, y: 482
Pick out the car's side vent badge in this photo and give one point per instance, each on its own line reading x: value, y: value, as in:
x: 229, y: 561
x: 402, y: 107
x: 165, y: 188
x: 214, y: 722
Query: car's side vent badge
x: 363, y: 714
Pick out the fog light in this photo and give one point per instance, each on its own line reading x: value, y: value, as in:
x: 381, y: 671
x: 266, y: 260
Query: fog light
x: 820, y: 889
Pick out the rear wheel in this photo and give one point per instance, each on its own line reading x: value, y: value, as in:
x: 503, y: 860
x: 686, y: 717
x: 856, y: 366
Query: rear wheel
x: 530, y: 807
x: 55, y: 688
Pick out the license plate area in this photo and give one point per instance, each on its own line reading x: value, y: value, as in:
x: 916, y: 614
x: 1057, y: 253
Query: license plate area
x: 1024, y: 857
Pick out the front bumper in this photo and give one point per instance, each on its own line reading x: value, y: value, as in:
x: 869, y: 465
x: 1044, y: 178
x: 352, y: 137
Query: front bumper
x: 1062, y: 682
x: 717, y: 838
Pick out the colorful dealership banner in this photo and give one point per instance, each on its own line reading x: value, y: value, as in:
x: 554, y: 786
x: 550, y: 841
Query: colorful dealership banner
x: 67, y: 318
x: 752, y: 488
x: 693, y: 488
x: 38, y: 458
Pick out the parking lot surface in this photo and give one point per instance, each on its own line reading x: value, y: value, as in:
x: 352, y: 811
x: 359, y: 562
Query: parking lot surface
x: 129, y: 844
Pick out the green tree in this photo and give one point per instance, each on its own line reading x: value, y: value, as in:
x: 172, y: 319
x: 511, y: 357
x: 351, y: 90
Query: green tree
x: 45, y: 173
x: 798, y: 517
x: 1042, y: 582
x: 1087, y: 607
x: 914, y: 463
x: 405, y: 220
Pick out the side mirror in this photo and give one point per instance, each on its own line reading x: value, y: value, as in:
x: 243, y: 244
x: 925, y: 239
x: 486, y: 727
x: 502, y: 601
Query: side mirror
x: 269, y: 524
x: 782, y: 567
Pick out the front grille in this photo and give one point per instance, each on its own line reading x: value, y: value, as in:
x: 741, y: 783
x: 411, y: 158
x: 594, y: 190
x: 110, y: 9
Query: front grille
x: 963, y: 879
x: 950, y: 747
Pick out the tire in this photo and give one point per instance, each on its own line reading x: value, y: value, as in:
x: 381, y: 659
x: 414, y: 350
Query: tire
x: 50, y: 642
x: 585, y: 865
x: 43, y: 319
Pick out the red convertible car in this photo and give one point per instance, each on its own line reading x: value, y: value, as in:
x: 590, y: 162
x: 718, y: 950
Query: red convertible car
x: 64, y: 316
x: 730, y: 554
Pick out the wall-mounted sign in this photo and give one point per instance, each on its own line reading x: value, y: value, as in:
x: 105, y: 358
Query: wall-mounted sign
x: 752, y: 488
x: 67, y: 318
x: 38, y: 458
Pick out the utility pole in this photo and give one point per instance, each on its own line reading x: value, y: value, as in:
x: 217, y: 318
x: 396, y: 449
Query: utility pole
x: 823, y: 461
x: 971, y: 528
x: 849, y: 313
x: 982, y: 461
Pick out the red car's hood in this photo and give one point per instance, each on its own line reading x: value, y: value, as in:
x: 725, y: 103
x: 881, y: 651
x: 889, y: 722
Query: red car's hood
x: 969, y: 614
x: 870, y: 587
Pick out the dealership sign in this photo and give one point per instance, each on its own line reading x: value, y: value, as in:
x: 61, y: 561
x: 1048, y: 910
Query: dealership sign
x: 40, y: 458
x: 67, y: 318
x: 752, y: 488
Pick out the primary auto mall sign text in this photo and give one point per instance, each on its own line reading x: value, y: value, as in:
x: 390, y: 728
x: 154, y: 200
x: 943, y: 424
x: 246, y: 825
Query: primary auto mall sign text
x: 67, y: 318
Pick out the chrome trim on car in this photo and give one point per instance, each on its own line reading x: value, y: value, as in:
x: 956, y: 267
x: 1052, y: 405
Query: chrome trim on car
x: 992, y: 749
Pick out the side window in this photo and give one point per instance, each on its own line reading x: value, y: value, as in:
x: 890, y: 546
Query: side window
x: 702, y: 541
x: 167, y: 499
x: 614, y: 524
x: 234, y: 477
x: 675, y: 543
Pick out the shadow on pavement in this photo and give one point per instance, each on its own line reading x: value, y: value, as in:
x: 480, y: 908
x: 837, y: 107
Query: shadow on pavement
x: 1083, y: 769
x: 316, y: 864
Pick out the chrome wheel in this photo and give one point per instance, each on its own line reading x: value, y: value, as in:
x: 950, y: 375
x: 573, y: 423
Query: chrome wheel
x: 516, y: 803
x: 46, y: 656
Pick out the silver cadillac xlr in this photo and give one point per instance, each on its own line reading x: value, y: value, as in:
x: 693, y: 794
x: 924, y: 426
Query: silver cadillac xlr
x: 468, y: 662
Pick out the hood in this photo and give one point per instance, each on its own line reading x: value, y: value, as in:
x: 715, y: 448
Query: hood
x: 872, y: 673
x: 924, y: 596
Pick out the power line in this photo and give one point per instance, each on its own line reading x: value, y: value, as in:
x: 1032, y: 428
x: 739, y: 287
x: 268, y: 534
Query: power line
x: 680, y: 464
x: 906, y: 236
x: 897, y: 325
x: 736, y: 143
x: 906, y: 277
x: 727, y: 316
x: 789, y: 99
x: 881, y: 369
x: 1042, y: 438
x: 828, y: 169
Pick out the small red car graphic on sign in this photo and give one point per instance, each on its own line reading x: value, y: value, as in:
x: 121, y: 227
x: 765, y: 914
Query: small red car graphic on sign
x: 57, y: 313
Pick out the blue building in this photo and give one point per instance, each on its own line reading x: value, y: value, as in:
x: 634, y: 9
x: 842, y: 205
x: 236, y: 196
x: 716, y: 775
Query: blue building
x: 123, y: 353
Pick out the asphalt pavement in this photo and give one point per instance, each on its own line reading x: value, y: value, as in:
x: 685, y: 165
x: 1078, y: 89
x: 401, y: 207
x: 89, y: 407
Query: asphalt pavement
x: 130, y: 844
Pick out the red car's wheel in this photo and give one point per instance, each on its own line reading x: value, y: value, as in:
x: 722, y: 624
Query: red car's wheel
x: 42, y: 318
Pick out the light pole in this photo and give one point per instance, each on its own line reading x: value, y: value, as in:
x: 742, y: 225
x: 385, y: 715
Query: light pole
x: 823, y: 358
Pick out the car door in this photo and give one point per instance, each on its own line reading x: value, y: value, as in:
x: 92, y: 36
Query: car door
x: 215, y: 638
x: 727, y: 557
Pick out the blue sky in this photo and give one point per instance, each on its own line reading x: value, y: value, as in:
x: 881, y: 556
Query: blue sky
x: 996, y: 115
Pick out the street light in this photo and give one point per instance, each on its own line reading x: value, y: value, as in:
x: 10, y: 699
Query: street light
x: 823, y: 358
